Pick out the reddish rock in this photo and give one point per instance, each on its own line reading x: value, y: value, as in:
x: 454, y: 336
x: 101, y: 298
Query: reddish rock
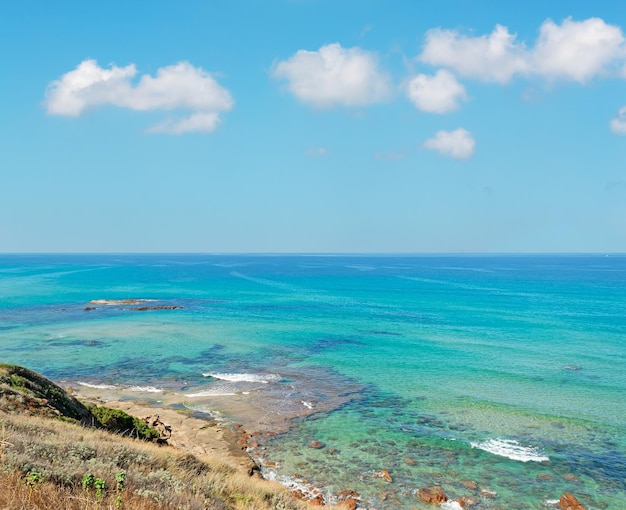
x: 488, y: 494
x: 466, y: 501
x: 317, y: 445
x: 343, y: 495
x: 317, y: 500
x: 569, y: 502
x: 384, y: 474
x: 433, y: 495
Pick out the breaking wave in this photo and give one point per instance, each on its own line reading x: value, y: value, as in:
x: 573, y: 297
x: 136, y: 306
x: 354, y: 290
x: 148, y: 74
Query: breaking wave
x: 234, y: 377
x: 97, y: 386
x: 511, y: 449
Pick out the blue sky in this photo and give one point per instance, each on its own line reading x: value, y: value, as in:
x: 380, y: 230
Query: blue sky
x: 313, y: 126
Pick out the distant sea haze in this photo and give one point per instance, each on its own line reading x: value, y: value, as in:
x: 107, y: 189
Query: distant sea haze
x: 497, y: 378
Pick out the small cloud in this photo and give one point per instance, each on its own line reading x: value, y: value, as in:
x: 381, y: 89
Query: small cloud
x: 618, y: 124
x: 179, y: 87
x: 317, y: 151
x: 389, y: 156
x: 334, y: 76
x: 441, y: 93
x: 457, y: 144
x: 366, y: 29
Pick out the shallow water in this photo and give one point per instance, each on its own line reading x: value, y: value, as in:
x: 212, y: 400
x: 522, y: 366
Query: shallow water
x: 497, y: 374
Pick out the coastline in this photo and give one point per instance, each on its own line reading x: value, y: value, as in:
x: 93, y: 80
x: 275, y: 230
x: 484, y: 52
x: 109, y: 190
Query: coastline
x: 201, y: 437
x: 233, y: 440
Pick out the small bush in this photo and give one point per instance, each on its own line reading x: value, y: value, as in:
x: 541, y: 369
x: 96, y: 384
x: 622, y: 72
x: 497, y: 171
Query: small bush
x: 120, y: 422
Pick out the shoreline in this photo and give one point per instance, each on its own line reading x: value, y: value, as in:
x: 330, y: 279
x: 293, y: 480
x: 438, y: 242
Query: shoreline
x: 232, y: 440
x: 202, y: 437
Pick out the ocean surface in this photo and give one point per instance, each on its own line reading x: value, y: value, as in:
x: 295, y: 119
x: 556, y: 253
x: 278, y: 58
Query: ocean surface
x: 501, y: 379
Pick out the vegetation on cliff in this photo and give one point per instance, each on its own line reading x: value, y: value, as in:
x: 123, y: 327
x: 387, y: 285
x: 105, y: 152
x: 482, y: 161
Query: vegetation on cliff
x: 58, y: 463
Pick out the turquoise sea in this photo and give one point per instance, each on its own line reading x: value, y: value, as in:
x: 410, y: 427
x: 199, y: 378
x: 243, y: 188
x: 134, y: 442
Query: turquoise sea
x: 501, y: 379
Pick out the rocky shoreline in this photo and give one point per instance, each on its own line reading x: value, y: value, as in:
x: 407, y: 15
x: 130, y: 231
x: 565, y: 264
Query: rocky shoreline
x: 243, y: 447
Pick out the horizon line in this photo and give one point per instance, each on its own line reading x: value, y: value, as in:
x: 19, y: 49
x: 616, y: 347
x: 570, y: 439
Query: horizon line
x: 322, y: 254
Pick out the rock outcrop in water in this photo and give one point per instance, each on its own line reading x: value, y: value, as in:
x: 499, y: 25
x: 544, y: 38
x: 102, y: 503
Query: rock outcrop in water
x: 569, y: 502
x: 434, y: 495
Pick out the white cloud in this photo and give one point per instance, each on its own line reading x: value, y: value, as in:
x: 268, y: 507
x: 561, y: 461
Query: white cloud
x: 440, y: 93
x: 578, y: 50
x: 496, y: 57
x: 458, y: 144
x: 196, y: 122
x: 334, y: 76
x: 573, y: 50
x: 88, y: 86
x: 618, y: 124
x: 176, y: 87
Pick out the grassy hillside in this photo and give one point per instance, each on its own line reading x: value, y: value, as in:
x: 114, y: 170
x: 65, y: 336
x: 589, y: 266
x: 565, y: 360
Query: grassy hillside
x: 53, y: 455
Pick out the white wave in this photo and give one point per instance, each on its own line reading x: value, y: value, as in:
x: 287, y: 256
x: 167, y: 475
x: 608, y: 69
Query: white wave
x: 97, y: 386
x: 451, y: 505
x: 145, y: 389
x: 551, y: 503
x: 294, y: 484
x: 216, y: 415
x: 210, y: 393
x: 511, y: 449
x: 308, y: 405
x: 233, y: 377
x: 117, y: 302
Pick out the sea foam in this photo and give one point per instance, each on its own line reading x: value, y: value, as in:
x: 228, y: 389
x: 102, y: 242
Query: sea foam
x: 234, y: 377
x: 97, y: 386
x: 212, y: 392
x: 145, y: 389
x: 511, y: 449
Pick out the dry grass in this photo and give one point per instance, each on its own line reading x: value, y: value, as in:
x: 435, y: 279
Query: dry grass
x: 43, y: 463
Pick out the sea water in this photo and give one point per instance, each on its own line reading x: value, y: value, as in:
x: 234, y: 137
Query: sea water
x: 500, y: 379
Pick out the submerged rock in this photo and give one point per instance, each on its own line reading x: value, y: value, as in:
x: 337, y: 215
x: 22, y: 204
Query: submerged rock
x: 158, y: 307
x: 470, y: 485
x: 317, y: 445
x: 434, y: 495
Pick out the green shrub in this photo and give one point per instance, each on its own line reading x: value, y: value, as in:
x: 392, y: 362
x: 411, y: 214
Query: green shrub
x: 120, y: 422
